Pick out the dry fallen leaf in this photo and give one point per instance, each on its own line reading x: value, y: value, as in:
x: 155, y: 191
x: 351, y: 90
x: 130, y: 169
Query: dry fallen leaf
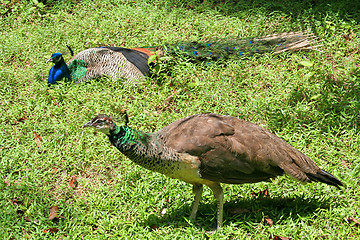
x: 263, y: 193
x: 123, y: 110
x: 22, y: 119
x: 51, y: 230
x: 269, y: 221
x: 27, y: 219
x: 351, y: 219
x: 37, y: 139
x: 17, y: 183
x: 345, y: 163
x: 73, y: 182
x: 153, y: 228
x: 53, y: 212
x: 16, y: 202
x: 280, y: 238
x: 61, y: 237
x: 168, y: 100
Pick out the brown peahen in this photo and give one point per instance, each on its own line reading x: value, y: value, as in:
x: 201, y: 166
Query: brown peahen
x: 211, y: 149
x: 132, y: 64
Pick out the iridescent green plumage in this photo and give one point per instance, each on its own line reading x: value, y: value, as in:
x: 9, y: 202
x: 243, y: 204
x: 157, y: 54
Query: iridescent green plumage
x: 236, y: 48
x: 128, y: 136
x: 77, y: 68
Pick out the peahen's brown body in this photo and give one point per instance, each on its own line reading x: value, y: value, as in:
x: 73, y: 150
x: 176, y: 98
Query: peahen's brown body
x: 209, y: 149
x: 132, y: 64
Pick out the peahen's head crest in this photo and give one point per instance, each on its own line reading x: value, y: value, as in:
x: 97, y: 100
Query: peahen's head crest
x: 102, y: 123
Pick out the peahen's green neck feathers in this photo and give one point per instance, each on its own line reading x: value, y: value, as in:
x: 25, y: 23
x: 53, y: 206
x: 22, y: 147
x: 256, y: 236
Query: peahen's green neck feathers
x: 124, y: 137
x: 145, y: 149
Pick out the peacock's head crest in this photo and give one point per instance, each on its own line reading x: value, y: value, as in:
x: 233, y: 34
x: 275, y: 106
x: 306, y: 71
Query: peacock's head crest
x: 102, y: 123
x: 55, y: 58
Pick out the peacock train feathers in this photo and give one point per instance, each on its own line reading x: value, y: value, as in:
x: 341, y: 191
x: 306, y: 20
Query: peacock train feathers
x: 132, y: 64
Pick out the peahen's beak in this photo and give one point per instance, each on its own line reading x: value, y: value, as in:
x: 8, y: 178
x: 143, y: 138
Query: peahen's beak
x: 88, y: 124
x: 50, y: 59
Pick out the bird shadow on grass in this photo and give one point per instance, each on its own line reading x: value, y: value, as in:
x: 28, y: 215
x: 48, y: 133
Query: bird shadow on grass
x: 240, y: 212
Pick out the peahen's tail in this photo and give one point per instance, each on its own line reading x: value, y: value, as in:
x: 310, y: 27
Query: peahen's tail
x: 227, y: 48
x: 325, y: 177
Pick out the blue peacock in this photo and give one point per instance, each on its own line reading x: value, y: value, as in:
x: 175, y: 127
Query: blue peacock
x: 132, y: 63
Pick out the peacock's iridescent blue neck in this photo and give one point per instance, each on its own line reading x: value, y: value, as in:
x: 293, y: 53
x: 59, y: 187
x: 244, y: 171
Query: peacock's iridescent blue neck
x: 58, y: 72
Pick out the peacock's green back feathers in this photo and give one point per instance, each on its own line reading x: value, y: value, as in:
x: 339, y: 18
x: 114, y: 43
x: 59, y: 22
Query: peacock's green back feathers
x: 78, y: 69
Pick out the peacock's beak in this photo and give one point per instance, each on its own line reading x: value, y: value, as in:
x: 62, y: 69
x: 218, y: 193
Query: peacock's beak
x: 88, y: 124
x: 49, y: 60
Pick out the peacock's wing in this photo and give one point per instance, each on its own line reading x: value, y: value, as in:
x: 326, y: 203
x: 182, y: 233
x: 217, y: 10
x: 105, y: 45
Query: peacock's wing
x: 113, y: 62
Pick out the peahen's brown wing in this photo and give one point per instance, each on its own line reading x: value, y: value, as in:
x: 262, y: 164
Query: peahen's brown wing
x: 235, y: 151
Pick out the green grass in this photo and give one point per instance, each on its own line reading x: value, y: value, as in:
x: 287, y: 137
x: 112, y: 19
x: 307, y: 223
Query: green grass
x: 315, y: 108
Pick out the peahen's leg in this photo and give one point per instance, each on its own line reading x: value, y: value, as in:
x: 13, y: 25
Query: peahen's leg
x: 197, y: 190
x: 219, y: 196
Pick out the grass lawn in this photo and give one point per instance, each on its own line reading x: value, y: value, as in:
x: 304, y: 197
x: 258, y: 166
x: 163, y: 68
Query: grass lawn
x: 310, y: 99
